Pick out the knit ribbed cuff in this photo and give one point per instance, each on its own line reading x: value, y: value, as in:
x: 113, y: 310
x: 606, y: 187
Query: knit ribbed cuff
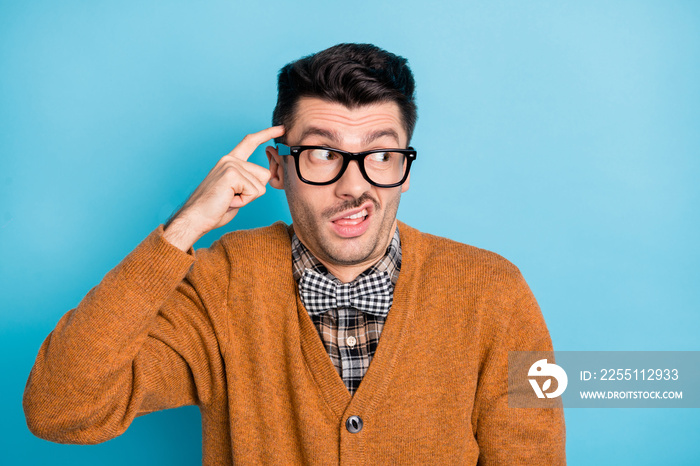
x: 156, y: 265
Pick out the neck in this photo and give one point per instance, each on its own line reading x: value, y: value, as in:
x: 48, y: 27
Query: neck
x: 347, y: 273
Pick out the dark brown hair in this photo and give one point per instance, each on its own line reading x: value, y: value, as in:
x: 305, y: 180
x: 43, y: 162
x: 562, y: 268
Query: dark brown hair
x: 349, y: 74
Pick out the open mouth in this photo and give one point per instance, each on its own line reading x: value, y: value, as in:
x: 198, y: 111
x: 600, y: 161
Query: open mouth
x: 353, y: 219
x: 352, y: 223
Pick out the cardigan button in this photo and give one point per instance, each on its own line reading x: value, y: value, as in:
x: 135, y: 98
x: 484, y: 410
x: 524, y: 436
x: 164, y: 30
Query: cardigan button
x: 354, y: 424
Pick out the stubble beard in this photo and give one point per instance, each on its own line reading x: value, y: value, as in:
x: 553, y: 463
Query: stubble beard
x: 312, y: 230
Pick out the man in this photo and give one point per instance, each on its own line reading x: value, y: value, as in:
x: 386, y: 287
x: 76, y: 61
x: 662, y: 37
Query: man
x: 347, y: 337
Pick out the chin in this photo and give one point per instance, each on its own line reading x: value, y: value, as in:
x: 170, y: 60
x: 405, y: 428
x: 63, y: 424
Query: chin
x: 351, y: 251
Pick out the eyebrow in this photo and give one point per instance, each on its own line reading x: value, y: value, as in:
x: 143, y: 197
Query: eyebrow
x: 334, y: 137
x: 380, y: 134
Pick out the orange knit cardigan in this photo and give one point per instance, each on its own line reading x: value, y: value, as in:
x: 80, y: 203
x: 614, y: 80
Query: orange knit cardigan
x: 223, y: 328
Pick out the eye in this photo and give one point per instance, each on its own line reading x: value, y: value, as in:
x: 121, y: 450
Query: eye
x: 380, y: 156
x: 323, y: 154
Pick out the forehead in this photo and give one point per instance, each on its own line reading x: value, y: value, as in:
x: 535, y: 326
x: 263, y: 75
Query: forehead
x: 316, y: 119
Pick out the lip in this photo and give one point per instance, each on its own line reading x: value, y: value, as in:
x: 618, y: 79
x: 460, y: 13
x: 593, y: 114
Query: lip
x: 367, y: 205
x: 353, y: 231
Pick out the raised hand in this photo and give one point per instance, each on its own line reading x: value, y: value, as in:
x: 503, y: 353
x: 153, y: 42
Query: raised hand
x: 231, y: 184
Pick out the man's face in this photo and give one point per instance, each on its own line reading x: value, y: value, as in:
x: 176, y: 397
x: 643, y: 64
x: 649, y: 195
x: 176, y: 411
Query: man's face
x: 321, y: 213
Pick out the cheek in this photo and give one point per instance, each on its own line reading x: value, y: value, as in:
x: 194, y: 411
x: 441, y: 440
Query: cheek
x: 307, y: 201
x: 292, y: 186
x: 316, y: 199
x: 390, y: 201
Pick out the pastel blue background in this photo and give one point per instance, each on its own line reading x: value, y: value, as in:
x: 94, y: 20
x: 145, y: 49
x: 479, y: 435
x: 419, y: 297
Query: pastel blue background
x: 562, y: 135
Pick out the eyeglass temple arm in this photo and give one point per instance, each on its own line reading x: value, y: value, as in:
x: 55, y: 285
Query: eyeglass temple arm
x: 283, y: 149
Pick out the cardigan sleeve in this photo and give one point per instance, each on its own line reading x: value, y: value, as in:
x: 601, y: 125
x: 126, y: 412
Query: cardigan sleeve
x: 509, y: 435
x: 141, y: 340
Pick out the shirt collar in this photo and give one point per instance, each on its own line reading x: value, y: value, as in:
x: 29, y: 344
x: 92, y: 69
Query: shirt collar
x: 303, y: 259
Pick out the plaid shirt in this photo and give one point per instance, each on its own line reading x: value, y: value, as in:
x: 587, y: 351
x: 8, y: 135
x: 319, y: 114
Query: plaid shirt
x: 349, y: 336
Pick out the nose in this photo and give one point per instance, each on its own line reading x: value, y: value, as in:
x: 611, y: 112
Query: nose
x: 352, y: 184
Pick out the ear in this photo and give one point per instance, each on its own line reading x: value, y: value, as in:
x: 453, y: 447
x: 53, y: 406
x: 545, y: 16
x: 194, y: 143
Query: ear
x: 276, y: 168
x: 405, y: 185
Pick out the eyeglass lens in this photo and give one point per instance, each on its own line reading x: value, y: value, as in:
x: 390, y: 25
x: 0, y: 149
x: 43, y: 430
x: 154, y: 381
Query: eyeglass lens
x: 322, y: 165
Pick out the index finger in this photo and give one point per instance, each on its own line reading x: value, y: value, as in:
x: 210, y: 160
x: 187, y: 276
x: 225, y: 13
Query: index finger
x: 249, y: 143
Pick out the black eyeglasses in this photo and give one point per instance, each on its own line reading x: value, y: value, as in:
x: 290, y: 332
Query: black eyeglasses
x: 319, y: 165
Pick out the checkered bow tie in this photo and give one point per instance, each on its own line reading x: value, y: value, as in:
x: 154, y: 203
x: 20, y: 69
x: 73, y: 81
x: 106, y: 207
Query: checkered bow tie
x: 372, y: 294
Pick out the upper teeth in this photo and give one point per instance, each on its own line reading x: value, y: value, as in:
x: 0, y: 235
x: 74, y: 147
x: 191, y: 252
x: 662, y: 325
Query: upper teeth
x: 362, y: 213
